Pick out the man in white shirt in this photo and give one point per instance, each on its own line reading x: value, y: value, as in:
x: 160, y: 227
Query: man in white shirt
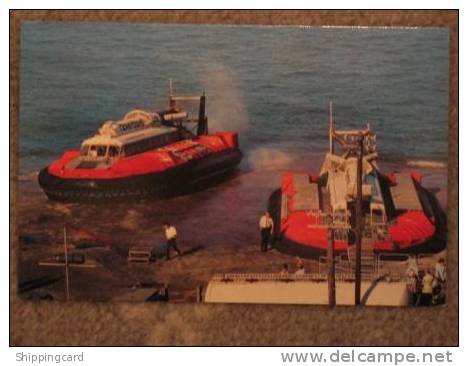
x: 171, y: 236
x: 413, y: 267
x: 300, y: 271
x: 266, y: 230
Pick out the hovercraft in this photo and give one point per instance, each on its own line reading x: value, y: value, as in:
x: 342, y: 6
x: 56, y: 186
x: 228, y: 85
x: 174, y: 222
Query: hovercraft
x: 398, y: 215
x: 144, y: 154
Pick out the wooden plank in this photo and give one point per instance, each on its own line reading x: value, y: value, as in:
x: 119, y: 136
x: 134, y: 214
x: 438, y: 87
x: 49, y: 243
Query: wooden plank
x: 146, y: 257
x: 404, y: 194
x: 142, y: 249
x: 140, y: 254
x: 58, y: 264
x: 135, y: 259
x: 139, y: 251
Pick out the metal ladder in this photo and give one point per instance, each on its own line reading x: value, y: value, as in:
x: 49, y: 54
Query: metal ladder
x: 368, y: 260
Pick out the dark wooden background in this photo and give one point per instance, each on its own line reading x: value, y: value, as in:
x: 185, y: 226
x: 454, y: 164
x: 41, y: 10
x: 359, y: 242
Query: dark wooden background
x: 199, y: 324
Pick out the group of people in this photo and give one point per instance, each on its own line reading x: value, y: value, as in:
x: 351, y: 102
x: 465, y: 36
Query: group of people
x: 426, y: 286
x: 300, y: 269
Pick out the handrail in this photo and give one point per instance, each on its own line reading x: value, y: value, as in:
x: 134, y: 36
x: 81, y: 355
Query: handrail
x: 290, y: 277
x: 405, y: 257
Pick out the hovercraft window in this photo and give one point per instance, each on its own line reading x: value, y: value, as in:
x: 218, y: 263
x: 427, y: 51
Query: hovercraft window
x: 92, y: 153
x: 149, y: 144
x: 113, y: 151
x: 101, y: 151
x: 84, y: 150
x: 96, y: 151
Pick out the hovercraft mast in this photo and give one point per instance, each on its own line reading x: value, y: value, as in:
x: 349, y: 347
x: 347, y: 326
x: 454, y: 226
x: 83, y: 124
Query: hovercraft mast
x: 177, y: 117
x: 348, y: 139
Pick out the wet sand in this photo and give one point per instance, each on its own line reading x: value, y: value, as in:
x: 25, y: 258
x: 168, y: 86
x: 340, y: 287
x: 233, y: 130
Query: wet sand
x: 217, y: 232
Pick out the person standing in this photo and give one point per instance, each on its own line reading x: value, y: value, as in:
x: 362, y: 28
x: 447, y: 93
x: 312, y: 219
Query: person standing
x: 440, y: 278
x: 427, y: 287
x: 266, y: 230
x: 413, y: 267
x: 440, y: 271
x: 171, y: 237
x: 412, y: 284
x: 301, y: 270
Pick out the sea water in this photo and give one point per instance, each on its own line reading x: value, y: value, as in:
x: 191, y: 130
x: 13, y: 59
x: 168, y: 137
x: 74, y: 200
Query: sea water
x: 271, y: 84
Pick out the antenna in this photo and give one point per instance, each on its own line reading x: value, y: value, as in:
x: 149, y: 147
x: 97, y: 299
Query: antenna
x: 330, y: 128
x: 171, y: 95
x: 202, y: 120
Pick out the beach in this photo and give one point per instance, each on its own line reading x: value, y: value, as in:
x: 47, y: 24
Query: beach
x: 217, y: 233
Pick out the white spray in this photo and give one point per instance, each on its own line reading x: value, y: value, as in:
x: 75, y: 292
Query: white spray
x: 226, y: 107
x: 265, y: 158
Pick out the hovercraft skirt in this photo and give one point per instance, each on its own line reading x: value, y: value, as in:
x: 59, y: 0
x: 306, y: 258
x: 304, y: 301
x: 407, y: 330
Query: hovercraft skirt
x: 177, y: 180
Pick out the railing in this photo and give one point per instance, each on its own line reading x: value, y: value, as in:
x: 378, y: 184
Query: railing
x: 377, y: 231
x: 336, y: 220
x: 323, y: 265
x: 344, y: 269
x: 339, y: 222
x: 290, y: 277
x: 398, y: 256
x: 344, y: 272
x: 341, y: 235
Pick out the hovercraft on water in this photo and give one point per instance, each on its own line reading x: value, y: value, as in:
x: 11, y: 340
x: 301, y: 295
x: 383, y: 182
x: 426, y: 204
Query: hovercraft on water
x: 145, y: 154
x: 398, y: 215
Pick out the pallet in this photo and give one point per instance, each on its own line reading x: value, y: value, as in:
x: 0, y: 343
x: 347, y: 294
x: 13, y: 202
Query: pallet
x: 141, y: 254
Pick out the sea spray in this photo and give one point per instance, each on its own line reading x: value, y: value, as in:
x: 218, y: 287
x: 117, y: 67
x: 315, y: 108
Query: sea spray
x: 426, y: 164
x: 226, y: 107
x: 269, y: 159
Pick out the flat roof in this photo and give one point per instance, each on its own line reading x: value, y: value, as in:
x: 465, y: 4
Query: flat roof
x: 305, y: 292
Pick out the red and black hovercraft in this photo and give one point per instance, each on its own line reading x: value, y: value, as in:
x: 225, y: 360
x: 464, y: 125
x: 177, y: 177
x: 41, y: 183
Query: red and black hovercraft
x: 399, y: 215
x: 145, y: 154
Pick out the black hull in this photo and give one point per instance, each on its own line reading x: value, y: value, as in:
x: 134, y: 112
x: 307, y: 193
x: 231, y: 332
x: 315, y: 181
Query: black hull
x: 436, y: 244
x: 182, y: 179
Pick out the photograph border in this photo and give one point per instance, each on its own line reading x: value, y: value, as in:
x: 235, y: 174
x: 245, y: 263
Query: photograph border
x: 112, y: 324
